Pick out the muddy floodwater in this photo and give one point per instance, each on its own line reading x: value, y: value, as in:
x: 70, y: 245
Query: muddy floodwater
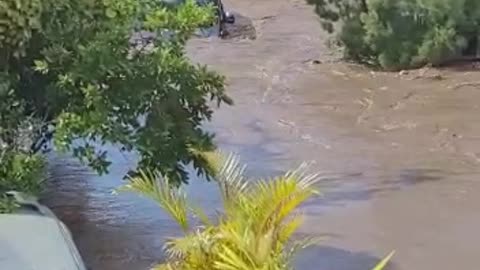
x: 400, y: 153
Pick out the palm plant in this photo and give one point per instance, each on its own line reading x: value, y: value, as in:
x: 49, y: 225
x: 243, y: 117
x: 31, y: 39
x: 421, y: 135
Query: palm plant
x: 254, y: 231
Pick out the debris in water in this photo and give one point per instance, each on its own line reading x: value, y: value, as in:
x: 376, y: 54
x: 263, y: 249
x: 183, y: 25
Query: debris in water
x: 465, y: 84
x: 312, y: 61
x: 365, y: 102
x: 338, y: 73
x: 367, y: 90
x: 286, y: 123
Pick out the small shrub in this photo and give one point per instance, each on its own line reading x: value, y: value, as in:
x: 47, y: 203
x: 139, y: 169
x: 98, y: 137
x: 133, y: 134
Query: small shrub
x: 254, y: 230
x: 19, y: 172
x: 7, y: 204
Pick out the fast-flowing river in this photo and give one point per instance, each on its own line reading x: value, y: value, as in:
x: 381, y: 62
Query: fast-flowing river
x: 400, y: 153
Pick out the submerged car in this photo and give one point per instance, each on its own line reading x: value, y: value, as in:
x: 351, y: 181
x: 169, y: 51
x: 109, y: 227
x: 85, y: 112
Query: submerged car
x: 33, y: 238
x: 222, y: 17
x: 141, y: 39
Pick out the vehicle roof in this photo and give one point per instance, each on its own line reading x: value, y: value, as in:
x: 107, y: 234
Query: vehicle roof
x: 36, y: 242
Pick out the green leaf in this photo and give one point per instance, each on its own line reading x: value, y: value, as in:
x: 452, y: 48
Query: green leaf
x: 41, y: 66
x: 111, y: 13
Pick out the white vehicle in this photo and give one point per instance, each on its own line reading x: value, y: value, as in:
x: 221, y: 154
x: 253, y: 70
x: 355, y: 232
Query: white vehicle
x: 33, y: 238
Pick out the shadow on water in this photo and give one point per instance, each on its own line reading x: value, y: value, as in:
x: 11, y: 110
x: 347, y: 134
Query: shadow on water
x: 343, y: 190
x: 111, y: 231
x: 332, y: 258
x: 260, y: 150
x: 419, y: 176
x: 70, y: 200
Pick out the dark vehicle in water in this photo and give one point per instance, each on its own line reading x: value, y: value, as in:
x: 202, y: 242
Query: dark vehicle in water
x: 141, y: 38
x: 222, y: 17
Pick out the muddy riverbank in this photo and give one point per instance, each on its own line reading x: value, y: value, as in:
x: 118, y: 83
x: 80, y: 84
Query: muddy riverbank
x: 401, y: 153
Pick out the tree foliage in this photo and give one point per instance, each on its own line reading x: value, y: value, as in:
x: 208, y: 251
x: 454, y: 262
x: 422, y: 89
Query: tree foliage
x: 397, y: 34
x: 71, y: 64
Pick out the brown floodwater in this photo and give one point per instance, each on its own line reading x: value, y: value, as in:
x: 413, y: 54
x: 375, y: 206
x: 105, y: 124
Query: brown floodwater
x: 400, y: 153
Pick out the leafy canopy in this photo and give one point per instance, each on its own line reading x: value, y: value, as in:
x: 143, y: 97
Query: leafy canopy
x: 72, y: 65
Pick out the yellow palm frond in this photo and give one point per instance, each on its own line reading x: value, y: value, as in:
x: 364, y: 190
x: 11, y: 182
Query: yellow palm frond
x: 231, y: 260
x: 228, y: 172
x: 278, y: 198
x: 179, y: 247
x: 201, y: 215
x: 166, y: 266
x: 196, y: 248
x: 289, y: 227
x: 255, y: 251
x: 384, y: 262
x: 236, y: 234
x: 154, y: 186
x: 298, y: 245
x: 265, y: 247
x: 304, y: 178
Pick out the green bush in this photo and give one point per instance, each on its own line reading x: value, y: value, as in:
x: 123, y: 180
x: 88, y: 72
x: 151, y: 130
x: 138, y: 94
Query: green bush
x: 19, y: 172
x: 397, y: 34
x: 20, y: 169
